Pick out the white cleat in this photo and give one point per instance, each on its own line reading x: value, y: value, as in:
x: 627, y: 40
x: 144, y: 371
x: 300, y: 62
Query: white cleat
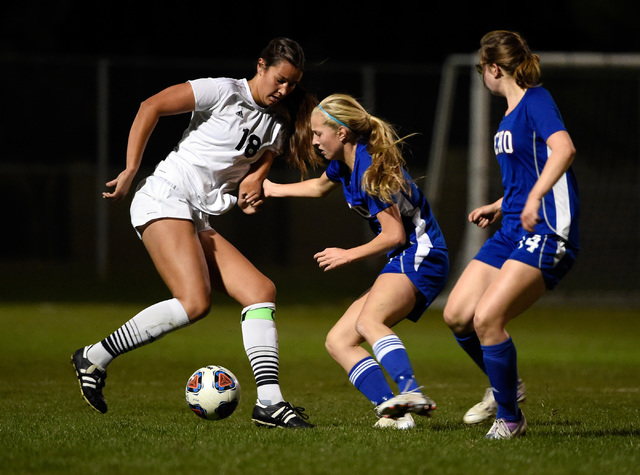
x: 402, y: 423
x: 488, y: 408
x: 502, y: 429
x: 404, y: 403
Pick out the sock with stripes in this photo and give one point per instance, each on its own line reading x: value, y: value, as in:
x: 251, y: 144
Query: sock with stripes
x: 146, y: 327
x: 260, y: 339
x: 368, y: 378
x: 393, y: 357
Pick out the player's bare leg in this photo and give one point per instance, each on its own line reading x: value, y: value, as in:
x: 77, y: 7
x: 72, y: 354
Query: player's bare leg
x: 177, y: 254
x: 175, y: 250
x: 391, y: 298
x: 232, y: 273
x: 514, y: 290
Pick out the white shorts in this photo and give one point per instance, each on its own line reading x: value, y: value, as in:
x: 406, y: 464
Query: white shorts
x: 157, y: 198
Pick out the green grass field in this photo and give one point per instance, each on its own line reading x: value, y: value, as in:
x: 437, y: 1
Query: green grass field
x: 581, y: 366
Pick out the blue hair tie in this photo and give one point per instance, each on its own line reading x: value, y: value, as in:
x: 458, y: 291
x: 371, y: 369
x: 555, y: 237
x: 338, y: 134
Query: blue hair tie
x: 333, y: 118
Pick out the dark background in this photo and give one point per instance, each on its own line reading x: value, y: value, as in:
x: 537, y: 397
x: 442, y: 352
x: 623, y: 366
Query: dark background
x: 50, y: 51
x: 396, y: 32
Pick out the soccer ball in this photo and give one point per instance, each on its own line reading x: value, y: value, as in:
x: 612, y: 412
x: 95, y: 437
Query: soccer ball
x: 213, y: 392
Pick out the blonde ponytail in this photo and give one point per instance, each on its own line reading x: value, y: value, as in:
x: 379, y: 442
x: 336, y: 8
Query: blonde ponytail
x: 385, y: 177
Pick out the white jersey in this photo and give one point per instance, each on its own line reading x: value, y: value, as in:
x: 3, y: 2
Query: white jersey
x: 228, y: 132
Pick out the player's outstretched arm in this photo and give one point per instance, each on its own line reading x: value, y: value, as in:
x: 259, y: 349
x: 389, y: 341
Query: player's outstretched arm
x: 312, y: 188
x: 170, y: 101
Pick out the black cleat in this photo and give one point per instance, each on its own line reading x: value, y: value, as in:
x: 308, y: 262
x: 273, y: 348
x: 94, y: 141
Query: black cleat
x: 281, y: 414
x: 91, y: 379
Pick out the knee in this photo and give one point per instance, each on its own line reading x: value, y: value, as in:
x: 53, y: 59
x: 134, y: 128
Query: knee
x: 487, y: 324
x: 262, y: 291
x: 269, y: 290
x: 196, y: 306
x: 338, y: 343
x: 457, y: 319
x: 332, y: 345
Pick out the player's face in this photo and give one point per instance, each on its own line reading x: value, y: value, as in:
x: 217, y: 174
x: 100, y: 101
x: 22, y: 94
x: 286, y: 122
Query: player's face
x: 490, y: 74
x: 275, y: 83
x: 326, y: 139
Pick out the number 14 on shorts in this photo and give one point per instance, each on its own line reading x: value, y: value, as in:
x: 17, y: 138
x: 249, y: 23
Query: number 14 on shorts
x: 531, y: 242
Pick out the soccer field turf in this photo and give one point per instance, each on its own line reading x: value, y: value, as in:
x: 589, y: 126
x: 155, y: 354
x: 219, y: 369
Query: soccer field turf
x: 581, y: 367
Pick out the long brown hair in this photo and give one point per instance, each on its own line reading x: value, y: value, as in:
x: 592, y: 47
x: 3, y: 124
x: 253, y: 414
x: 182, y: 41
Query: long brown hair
x: 510, y: 51
x: 296, y: 108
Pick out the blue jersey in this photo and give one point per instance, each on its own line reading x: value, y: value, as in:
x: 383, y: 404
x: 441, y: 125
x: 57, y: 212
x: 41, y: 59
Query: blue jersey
x: 421, y: 228
x: 522, y: 152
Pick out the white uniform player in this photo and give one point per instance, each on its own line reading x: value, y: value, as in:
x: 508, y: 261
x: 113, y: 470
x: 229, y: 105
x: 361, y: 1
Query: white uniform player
x: 228, y: 132
x: 237, y: 128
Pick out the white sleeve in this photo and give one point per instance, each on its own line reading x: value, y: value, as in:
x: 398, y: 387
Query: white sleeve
x: 206, y: 92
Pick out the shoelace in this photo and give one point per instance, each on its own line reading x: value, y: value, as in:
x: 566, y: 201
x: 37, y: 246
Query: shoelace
x: 417, y: 390
x: 299, y: 411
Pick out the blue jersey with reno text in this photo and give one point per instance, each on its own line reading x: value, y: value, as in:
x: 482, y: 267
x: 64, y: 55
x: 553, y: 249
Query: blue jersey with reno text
x: 522, y: 152
x: 420, y: 226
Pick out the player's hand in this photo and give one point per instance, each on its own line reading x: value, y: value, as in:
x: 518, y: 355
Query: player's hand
x: 121, y: 185
x: 332, y: 258
x: 485, y: 215
x: 530, y: 215
x: 267, y: 186
x: 250, y: 196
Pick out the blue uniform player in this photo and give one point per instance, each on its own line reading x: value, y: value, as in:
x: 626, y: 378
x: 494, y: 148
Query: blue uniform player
x: 538, y: 241
x: 365, y: 161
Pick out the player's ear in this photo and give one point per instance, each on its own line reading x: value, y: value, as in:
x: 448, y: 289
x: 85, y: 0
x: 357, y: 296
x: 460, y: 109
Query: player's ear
x: 262, y: 66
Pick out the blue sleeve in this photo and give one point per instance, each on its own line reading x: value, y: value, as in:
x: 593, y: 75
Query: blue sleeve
x: 333, y: 171
x: 545, y: 116
x: 376, y: 205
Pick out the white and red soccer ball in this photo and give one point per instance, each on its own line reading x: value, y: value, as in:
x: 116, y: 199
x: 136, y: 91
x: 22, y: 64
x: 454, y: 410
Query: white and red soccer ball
x: 213, y: 392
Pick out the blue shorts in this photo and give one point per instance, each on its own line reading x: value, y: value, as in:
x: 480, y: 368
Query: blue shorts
x: 547, y: 252
x: 428, y: 273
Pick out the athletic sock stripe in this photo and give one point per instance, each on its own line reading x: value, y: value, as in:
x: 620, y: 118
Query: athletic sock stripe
x: 364, y: 367
x: 262, y: 349
x: 386, y: 345
x: 272, y: 370
x: 130, y: 335
x: 265, y: 364
x: 124, y: 339
x: 107, y: 346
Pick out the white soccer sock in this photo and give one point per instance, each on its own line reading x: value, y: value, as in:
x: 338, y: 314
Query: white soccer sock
x: 260, y: 339
x: 146, y: 327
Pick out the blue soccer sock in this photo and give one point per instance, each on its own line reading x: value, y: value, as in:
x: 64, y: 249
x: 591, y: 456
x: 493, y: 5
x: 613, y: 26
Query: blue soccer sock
x: 502, y: 369
x: 368, y: 378
x: 392, y: 355
x: 471, y: 345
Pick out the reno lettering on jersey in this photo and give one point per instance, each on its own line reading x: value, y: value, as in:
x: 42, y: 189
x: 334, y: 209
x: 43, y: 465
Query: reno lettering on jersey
x: 503, y: 142
x: 522, y: 152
